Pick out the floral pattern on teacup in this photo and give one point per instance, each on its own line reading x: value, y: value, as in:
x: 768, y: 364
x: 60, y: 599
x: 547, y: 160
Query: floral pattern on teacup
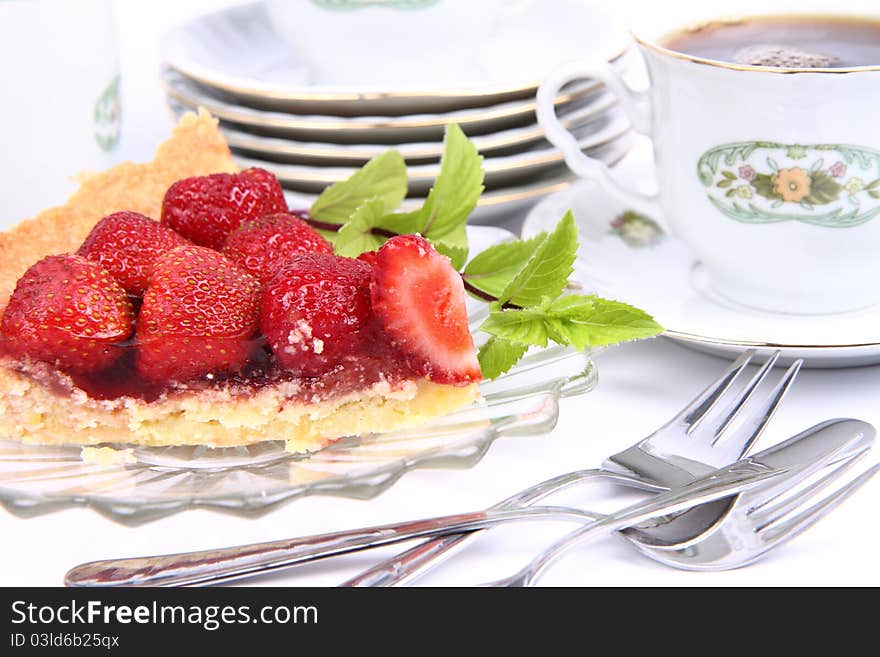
x: 636, y: 230
x: 108, y: 116
x: 833, y: 185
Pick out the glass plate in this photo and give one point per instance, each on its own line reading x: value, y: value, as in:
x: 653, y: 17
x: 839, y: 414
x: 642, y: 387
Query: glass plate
x: 250, y: 481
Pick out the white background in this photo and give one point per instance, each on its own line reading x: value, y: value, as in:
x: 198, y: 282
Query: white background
x: 641, y: 385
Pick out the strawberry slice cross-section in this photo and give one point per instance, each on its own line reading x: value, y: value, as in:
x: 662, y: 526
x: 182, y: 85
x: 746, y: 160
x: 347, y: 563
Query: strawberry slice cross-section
x: 420, y: 300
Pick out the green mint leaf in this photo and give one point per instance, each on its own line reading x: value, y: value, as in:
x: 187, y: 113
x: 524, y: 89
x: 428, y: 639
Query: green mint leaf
x: 457, y: 189
x: 329, y: 235
x: 524, y: 327
x: 492, y: 270
x: 591, y: 321
x: 356, y: 235
x: 546, y: 272
x: 402, y: 223
x: 383, y: 177
x: 498, y: 355
x: 454, y: 244
x: 456, y: 251
x: 443, y: 216
x: 577, y: 320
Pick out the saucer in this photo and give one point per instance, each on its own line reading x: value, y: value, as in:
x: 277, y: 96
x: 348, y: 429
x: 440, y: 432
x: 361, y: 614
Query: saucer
x: 581, y: 120
x: 494, y: 207
x: 382, y: 129
x: 628, y: 257
x: 237, y: 50
x: 609, y: 144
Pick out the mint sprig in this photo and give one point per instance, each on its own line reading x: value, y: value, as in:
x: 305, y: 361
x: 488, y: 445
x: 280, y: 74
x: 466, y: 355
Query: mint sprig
x: 498, y: 355
x: 383, y: 178
x: 443, y: 216
x: 546, y: 272
x: 491, y: 270
x: 357, y: 234
x: 573, y: 319
x: 524, y: 281
x: 441, y: 219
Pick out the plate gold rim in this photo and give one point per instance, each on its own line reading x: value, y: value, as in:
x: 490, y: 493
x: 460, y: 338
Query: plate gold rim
x: 431, y: 171
x: 508, y: 195
x: 755, y: 343
x: 241, y: 139
x: 490, y: 198
x: 254, y: 117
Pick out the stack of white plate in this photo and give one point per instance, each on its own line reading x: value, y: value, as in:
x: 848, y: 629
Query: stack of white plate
x: 311, y: 133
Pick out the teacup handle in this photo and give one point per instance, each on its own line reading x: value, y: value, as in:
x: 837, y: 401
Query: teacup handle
x: 635, y: 106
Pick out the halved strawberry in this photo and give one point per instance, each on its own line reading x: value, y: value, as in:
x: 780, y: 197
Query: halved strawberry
x: 264, y: 245
x: 206, y: 209
x: 68, y: 311
x: 419, y: 299
x: 127, y: 244
x: 199, y: 314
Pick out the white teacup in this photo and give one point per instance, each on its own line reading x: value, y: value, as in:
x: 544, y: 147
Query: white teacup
x: 766, y: 173
x: 60, y: 99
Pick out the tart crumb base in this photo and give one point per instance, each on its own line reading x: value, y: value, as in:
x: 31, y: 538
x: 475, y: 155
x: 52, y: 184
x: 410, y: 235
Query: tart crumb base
x: 33, y: 413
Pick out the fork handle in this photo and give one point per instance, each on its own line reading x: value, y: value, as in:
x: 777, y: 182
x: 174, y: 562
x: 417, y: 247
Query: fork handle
x: 416, y: 561
x: 233, y: 563
x: 736, y: 478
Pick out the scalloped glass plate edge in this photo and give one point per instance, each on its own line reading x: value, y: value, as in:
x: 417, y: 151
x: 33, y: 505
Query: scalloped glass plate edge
x: 252, y: 481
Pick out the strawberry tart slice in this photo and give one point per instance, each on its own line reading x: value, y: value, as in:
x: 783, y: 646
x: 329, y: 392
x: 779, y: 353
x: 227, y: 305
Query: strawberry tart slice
x: 182, y: 303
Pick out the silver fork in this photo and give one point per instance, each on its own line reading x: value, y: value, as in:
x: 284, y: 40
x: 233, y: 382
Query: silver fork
x: 689, y: 446
x: 817, y: 446
x: 747, y: 526
x: 769, y: 523
x: 694, y: 442
x: 225, y: 564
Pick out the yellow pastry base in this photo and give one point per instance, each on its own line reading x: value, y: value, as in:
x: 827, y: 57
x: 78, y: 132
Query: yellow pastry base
x: 36, y: 413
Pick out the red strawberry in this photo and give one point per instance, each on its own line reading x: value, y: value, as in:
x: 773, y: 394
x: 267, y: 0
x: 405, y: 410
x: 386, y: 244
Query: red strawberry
x: 206, y: 209
x: 419, y: 300
x: 199, y: 313
x: 315, y: 310
x: 127, y: 244
x: 369, y: 257
x: 68, y: 311
x: 263, y: 245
